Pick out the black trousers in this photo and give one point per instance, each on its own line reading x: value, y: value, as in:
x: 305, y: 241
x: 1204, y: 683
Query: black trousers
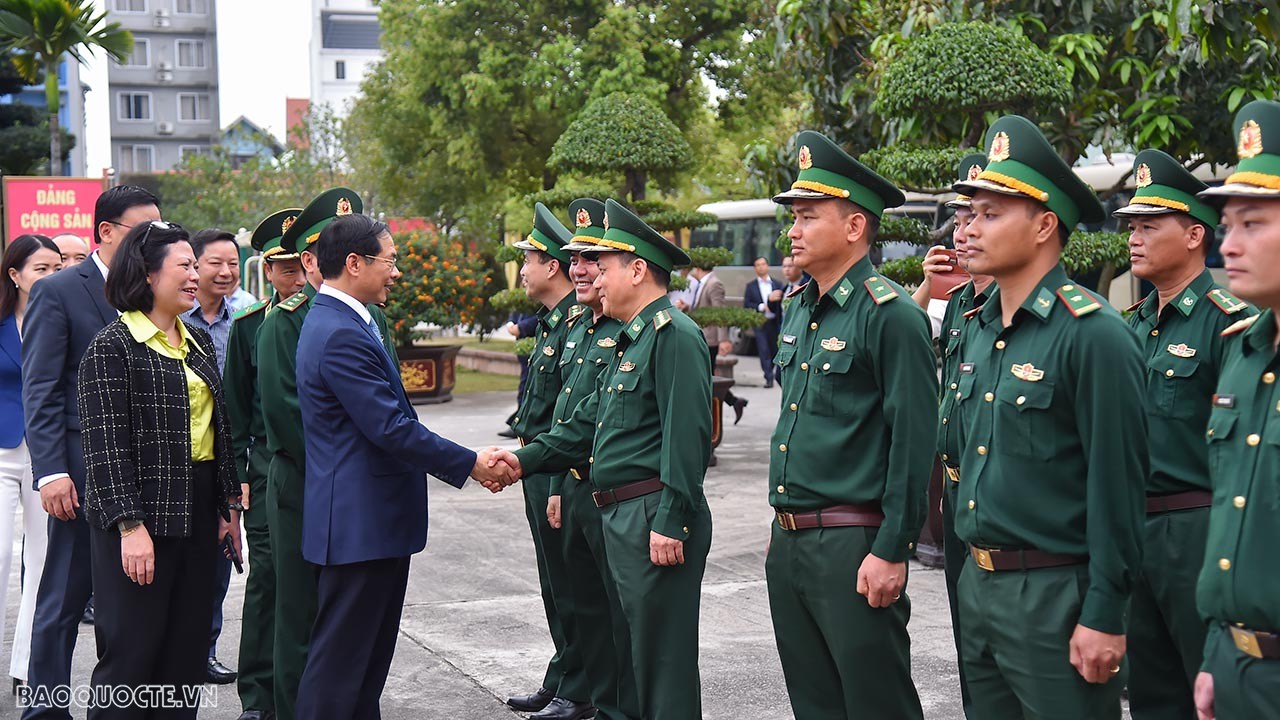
x: 157, y: 634
x: 353, y: 640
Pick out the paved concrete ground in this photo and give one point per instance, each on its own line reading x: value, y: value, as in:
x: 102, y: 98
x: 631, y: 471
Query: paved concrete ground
x: 473, y: 630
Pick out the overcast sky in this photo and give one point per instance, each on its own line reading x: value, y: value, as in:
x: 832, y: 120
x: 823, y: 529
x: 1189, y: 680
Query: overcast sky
x: 263, y: 57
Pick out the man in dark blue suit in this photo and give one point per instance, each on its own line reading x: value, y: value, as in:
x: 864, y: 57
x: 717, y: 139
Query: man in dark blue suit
x: 764, y: 295
x: 65, y: 312
x: 365, y: 503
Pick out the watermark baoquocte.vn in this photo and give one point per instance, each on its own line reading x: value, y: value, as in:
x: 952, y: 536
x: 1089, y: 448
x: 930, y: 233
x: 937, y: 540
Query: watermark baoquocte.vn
x: 151, y: 697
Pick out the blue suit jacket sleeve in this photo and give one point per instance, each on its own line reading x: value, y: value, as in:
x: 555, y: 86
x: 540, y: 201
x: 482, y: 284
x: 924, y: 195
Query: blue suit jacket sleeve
x: 44, y: 359
x: 355, y: 375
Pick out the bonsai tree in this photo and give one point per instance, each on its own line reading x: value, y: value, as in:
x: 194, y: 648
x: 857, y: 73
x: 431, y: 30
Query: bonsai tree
x: 441, y: 283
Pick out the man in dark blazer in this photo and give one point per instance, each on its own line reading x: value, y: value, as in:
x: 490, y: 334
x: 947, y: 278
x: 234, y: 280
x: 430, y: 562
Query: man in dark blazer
x: 764, y: 295
x: 365, y: 497
x: 65, y: 312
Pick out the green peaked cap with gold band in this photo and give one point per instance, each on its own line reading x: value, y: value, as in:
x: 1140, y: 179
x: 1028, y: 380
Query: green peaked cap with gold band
x: 826, y: 171
x: 970, y: 168
x: 266, y: 237
x: 1257, y: 174
x: 549, y: 235
x: 624, y: 232
x: 1164, y: 186
x: 1022, y: 163
x: 318, y: 213
x: 588, y: 224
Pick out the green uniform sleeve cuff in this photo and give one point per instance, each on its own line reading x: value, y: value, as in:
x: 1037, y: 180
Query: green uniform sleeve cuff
x: 557, y: 482
x: 1104, y: 614
x: 671, y: 524
x: 893, y: 547
x: 531, y: 459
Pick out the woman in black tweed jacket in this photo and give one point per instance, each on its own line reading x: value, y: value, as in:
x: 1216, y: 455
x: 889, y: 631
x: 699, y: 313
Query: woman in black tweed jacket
x: 161, y: 488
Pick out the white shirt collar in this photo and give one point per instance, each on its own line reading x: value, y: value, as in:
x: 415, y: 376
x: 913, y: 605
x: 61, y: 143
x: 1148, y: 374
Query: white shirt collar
x: 350, y: 302
x: 102, y: 267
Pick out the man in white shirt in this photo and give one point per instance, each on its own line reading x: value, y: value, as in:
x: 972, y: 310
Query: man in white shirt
x: 764, y: 295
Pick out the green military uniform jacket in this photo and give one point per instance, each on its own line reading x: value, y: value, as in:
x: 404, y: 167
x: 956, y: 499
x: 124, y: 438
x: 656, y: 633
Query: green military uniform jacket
x: 1239, y: 582
x: 546, y: 375
x: 1055, y: 447
x: 953, y: 335
x: 1183, y: 349
x: 240, y: 379
x: 649, y: 417
x: 588, y: 349
x: 859, y: 384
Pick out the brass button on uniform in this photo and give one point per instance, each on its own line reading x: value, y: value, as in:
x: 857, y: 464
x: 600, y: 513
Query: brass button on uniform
x: 608, y: 389
x: 826, y: 366
x: 982, y: 449
x: 568, y: 390
x: 804, y: 366
x: 599, y: 424
x: 1238, y: 501
x: 957, y: 396
x: 1225, y: 564
x: 1000, y: 344
x: 794, y: 407
x: 1022, y: 399
x: 686, y: 529
x: 619, y: 386
x: 591, y: 460
x: 988, y: 397
x: 972, y: 504
x: 1168, y: 373
x: 945, y: 420
x: 781, y: 489
x: 1268, y: 378
x: 944, y: 457
x: 1155, y: 332
x: 579, y: 361
x: 619, y: 353
x: 782, y: 447
x: 813, y: 326
x: 954, y: 386
x: 1253, y: 440
x: 911, y: 546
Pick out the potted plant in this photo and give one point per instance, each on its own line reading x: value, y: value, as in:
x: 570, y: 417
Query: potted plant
x: 441, y: 283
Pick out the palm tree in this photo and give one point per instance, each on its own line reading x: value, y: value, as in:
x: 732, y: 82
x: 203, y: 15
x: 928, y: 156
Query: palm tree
x: 40, y: 32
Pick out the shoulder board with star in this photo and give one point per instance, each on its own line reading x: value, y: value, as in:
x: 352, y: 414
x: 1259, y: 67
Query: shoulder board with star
x: 293, y: 302
x: 1079, y: 302
x: 880, y: 291
x: 575, y: 312
x: 1240, y: 326
x: 661, y: 319
x: 797, y: 290
x: 955, y: 289
x: 1135, y: 306
x: 256, y: 307
x: 1226, y: 302
x: 973, y: 312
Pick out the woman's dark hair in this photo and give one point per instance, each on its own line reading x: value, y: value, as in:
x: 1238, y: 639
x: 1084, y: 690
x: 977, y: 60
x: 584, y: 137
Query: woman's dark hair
x: 348, y: 234
x: 141, y: 253
x: 16, y: 257
x: 116, y: 201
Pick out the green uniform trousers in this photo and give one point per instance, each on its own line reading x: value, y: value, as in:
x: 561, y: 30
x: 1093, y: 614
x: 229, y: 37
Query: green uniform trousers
x: 1166, y: 633
x: 596, y: 626
x: 257, y: 627
x: 954, y: 555
x: 841, y: 658
x: 1016, y: 654
x: 296, y: 593
x: 1244, y: 688
x: 565, y: 675
x: 661, y: 605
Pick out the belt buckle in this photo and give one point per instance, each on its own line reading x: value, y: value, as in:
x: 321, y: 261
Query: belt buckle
x: 1246, y: 642
x: 786, y: 520
x: 574, y: 473
x: 953, y: 474
x: 982, y: 556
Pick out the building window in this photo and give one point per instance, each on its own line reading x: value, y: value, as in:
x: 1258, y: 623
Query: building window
x: 193, y: 107
x: 141, y: 56
x: 130, y: 6
x: 135, y: 106
x: 340, y: 70
x: 191, y: 53
x: 186, y: 151
x: 137, y: 158
x: 191, y: 7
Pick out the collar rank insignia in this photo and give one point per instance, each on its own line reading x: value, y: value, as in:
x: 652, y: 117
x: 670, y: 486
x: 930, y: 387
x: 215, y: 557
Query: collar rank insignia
x: 844, y: 290
x: 1181, y: 350
x: 1044, y: 302
x: 637, y: 326
x: 834, y: 344
x: 548, y: 351
x: 627, y: 366
x: 1188, y: 301
x: 344, y: 207
x: 1028, y: 372
x: 1224, y: 401
x: 606, y: 342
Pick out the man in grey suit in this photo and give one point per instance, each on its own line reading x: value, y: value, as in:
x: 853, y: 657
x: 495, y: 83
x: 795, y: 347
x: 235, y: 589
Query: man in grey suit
x: 65, y: 312
x: 710, y: 293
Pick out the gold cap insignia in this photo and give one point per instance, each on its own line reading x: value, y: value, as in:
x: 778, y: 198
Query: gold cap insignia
x: 548, y: 350
x: 1028, y: 372
x: 287, y: 223
x: 974, y: 171
x: 806, y: 158
x: 606, y: 342
x: 834, y: 344
x: 1181, y: 350
x: 627, y: 366
x: 1143, y: 176
x: 344, y: 206
x: 999, y: 147
x: 584, y: 218
x: 1250, y: 140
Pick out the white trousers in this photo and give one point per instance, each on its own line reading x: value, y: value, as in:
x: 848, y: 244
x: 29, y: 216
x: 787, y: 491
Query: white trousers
x: 15, y: 492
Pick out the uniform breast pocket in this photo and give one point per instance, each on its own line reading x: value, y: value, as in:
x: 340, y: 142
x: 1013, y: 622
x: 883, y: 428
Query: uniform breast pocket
x: 785, y: 353
x: 625, y: 409
x: 834, y: 383
x: 1218, y: 433
x: 1172, y: 390
x: 1027, y: 426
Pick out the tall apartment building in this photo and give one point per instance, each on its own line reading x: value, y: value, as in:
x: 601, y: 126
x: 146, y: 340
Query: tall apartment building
x: 345, y: 43
x: 164, y: 97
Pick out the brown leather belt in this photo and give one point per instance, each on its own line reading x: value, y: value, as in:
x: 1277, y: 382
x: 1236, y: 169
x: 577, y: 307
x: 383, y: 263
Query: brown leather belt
x: 863, y: 515
x: 1179, y: 501
x: 953, y: 473
x: 582, y: 475
x: 1004, y: 560
x: 640, y: 488
x: 1255, y: 643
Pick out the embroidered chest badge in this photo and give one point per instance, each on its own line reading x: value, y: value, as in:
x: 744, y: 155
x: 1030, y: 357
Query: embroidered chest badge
x: 1181, y: 350
x: 1027, y: 371
x: 627, y: 366
x: 834, y: 344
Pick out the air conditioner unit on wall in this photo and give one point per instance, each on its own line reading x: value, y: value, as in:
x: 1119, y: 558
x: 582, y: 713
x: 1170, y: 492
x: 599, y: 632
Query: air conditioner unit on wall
x: 164, y: 75
x: 164, y: 65
x: 162, y: 18
x: 164, y: 128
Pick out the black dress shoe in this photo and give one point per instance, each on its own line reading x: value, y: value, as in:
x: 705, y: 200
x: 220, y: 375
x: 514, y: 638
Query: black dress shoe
x: 87, y: 617
x: 508, y: 433
x: 531, y: 703
x: 738, y: 406
x: 561, y: 709
x: 218, y: 674
x: 768, y: 382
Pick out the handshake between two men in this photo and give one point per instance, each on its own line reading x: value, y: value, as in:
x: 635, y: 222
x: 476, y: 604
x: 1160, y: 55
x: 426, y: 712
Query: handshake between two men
x: 496, y: 469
